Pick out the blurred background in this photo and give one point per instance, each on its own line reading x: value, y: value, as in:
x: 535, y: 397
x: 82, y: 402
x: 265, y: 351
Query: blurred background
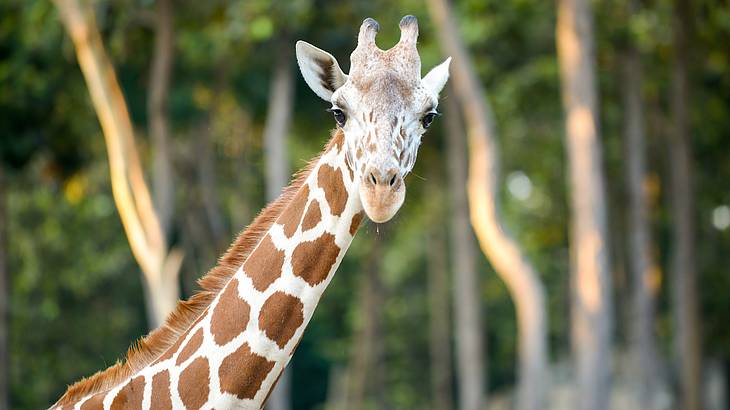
x: 584, y: 265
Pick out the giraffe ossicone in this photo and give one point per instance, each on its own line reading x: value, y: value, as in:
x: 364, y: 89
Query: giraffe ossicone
x: 226, y: 346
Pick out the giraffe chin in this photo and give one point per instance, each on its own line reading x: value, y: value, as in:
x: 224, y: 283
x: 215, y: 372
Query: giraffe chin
x: 381, y: 206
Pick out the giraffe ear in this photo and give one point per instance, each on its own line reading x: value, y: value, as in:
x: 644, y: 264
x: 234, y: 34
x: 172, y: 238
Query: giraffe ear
x: 320, y: 70
x: 436, y: 78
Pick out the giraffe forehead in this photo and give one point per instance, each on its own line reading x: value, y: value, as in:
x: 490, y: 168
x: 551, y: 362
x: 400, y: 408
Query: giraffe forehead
x: 384, y: 98
x: 385, y: 90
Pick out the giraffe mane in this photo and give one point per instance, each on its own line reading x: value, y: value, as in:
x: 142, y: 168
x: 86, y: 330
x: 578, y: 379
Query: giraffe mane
x: 150, y: 347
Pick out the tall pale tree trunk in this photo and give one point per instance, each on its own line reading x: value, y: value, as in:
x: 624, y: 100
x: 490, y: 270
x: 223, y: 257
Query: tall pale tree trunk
x: 591, y: 305
x: 683, y: 265
x: 159, y: 265
x: 504, y: 253
x: 4, y: 300
x: 642, y: 267
x: 159, y: 86
x: 439, y: 312
x: 278, y: 118
x: 469, y: 326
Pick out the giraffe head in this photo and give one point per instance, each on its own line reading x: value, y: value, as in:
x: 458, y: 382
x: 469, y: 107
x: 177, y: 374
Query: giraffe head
x: 383, y: 106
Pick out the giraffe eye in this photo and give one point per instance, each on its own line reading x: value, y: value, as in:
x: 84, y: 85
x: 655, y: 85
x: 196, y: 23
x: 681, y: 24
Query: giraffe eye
x: 340, y: 117
x: 428, y: 119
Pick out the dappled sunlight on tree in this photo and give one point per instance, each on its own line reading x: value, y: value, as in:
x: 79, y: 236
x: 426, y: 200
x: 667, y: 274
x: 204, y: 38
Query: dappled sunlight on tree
x: 159, y: 265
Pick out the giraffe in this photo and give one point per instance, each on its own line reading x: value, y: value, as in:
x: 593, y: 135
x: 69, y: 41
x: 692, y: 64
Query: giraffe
x: 226, y: 346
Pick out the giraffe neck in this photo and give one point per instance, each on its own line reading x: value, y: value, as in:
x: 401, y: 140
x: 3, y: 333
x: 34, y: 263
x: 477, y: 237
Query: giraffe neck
x: 232, y: 356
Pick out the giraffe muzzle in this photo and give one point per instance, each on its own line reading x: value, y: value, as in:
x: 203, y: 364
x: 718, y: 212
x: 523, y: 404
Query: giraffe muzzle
x: 382, y: 193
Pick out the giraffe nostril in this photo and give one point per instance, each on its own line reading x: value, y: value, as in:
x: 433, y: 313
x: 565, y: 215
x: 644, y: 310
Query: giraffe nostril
x: 373, y: 179
x: 392, y: 180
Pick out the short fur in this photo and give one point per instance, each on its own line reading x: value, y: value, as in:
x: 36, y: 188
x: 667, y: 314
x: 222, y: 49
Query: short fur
x: 147, y: 349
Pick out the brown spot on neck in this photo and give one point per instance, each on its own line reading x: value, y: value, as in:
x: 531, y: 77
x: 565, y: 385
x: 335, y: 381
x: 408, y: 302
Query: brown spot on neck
x: 355, y: 223
x: 161, y: 391
x: 264, y: 265
x: 242, y: 372
x: 313, y: 260
x: 191, y: 347
x: 230, y: 315
x: 96, y: 402
x: 280, y: 317
x: 330, y: 180
x: 193, y: 386
x: 292, y: 214
x: 312, y: 217
x: 130, y: 396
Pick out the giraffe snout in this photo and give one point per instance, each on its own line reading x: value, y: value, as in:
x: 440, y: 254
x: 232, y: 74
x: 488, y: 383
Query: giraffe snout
x: 382, y: 193
x: 385, y: 179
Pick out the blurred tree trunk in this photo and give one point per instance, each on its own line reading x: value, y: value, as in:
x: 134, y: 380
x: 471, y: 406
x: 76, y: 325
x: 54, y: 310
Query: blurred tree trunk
x: 206, y: 169
x: 590, y: 278
x: 4, y: 301
x: 278, y: 118
x: 683, y: 267
x: 507, y: 258
x: 159, y: 265
x: 337, y: 394
x: 159, y: 86
x: 208, y: 230
x: 207, y: 180
x: 367, y: 368
x: 642, y: 266
x: 376, y: 333
x: 438, y: 303
x: 470, y: 346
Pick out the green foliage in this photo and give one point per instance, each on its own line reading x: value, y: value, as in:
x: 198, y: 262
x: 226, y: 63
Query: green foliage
x: 76, y: 301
